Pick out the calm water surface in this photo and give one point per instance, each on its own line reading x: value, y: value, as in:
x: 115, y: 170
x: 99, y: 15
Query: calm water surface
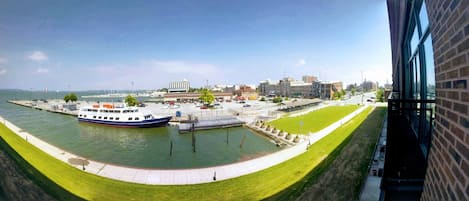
x: 146, y: 148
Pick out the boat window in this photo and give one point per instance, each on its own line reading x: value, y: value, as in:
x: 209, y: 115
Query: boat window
x: 105, y: 117
x: 117, y: 118
x: 99, y: 117
x: 136, y: 118
x: 80, y: 115
x: 130, y: 118
x: 111, y: 118
x: 84, y: 115
x: 94, y: 117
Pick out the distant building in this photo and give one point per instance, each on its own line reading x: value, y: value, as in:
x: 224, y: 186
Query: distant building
x: 351, y: 86
x: 326, y: 90
x: 247, y: 92
x: 300, y: 89
x: 287, y: 87
x: 309, y: 79
x: 369, y: 86
x: 179, y: 86
x: 269, y: 88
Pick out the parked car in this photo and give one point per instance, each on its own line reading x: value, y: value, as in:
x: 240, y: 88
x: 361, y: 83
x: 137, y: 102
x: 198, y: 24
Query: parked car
x: 246, y: 105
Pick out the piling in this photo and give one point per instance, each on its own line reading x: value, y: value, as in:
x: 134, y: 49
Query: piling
x: 193, y: 138
x: 242, y: 141
x: 171, y: 148
x: 227, y: 134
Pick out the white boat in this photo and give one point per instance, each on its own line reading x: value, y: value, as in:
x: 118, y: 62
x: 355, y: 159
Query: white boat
x: 120, y: 116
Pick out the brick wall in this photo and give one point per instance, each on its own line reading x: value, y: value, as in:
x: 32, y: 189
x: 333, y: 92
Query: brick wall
x: 447, y: 175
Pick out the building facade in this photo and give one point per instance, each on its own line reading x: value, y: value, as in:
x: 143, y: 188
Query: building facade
x: 309, y: 79
x: 369, y: 86
x: 179, y: 86
x: 427, y: 150
x: 325, y: 90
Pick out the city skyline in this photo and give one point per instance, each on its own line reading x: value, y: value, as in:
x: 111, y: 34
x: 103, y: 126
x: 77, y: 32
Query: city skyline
x: 66, y: 45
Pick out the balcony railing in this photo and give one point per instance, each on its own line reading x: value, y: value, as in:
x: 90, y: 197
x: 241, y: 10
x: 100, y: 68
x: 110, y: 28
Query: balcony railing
x: 410, y: 124
x: 420, y: 115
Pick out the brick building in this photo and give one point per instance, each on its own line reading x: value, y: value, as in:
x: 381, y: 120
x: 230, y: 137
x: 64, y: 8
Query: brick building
x: 427, y: 150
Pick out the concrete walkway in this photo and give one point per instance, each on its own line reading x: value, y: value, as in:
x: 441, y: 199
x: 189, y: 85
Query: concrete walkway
x: 179, y: 176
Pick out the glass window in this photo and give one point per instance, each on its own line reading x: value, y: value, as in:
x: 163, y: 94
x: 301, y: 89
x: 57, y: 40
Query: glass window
x: 430, y: 68
x: 414, y: 41
x: 423, y: 17
x: 417, y: 80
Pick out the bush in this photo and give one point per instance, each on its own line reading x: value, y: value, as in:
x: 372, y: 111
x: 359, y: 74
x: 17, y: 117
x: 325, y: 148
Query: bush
x: 277, y: 100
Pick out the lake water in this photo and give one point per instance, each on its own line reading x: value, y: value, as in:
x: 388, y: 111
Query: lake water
x: 145, y: 148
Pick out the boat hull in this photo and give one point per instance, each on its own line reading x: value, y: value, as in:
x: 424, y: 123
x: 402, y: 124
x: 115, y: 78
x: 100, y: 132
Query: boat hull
x: 140, y: 124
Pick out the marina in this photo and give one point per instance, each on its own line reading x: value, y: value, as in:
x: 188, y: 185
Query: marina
x: 142, y: 148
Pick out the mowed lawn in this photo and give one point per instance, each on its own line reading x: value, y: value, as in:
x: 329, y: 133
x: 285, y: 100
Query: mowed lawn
x: 313, y: 121
x: 256, y: 186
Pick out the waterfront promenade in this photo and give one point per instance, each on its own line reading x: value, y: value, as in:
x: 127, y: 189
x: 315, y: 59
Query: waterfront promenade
x: 178, y: 176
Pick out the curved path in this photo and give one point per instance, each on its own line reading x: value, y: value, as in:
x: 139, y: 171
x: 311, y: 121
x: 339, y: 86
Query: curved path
x: 179, y: 176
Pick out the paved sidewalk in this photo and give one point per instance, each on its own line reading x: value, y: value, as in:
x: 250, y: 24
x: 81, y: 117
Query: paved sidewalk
x: 180, y: 176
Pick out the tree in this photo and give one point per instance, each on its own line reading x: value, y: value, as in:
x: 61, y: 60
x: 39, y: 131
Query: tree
x: 130, y: 100
x: 70, y: 97
x: 206, y: 96
x: 353, y: 90
x: 339, y: 94
x: 262, y: 99
x: 380, y: 95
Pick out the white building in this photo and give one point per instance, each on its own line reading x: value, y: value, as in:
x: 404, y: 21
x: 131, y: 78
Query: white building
x: 179, y: 86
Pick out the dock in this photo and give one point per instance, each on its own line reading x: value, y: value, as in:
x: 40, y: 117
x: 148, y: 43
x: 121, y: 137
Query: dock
x: 43, y: 106
x: 210, y: 124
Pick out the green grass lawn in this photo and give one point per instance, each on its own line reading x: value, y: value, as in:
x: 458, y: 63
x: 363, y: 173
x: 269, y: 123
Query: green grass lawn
x: 256, y: 186
x: 313, y: 121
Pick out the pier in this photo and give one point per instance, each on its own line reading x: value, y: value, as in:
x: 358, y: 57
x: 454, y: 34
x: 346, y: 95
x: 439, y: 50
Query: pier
x: 41, y: 105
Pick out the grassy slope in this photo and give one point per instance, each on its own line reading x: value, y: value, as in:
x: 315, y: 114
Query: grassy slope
x: 341, y: 175
x: 313, y: 121
x: 250, y: 187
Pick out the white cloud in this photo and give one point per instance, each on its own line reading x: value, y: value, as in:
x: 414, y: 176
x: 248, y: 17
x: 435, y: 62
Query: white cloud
x: 42, y: 70
x: 300, y: 62
x: 38, y: 56
x: 3, y: 71
x: 3, y: 60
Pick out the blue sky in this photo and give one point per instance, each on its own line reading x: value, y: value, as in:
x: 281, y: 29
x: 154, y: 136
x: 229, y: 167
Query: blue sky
x: 107, y: 45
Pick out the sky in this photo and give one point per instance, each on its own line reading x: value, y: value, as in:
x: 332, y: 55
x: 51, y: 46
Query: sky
x: 99, y: 45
